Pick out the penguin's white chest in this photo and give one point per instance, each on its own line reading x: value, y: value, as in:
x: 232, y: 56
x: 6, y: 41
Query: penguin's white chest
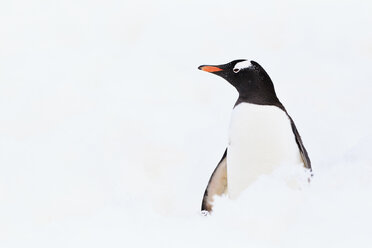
x: 261, y: 139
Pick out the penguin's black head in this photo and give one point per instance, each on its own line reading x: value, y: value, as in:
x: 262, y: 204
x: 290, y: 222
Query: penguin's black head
x: 249, y: 78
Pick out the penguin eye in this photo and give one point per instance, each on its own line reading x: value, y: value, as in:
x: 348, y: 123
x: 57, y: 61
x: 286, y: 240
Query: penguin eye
x: 236, y: 70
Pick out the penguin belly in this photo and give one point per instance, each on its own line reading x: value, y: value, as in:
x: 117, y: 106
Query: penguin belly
x: 261, y: 139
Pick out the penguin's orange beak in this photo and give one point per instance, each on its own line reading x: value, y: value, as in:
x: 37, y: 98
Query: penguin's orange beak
x: 209, y: 68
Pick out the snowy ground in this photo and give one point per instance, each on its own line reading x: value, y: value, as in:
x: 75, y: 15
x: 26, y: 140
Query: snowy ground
x: 109, y: 133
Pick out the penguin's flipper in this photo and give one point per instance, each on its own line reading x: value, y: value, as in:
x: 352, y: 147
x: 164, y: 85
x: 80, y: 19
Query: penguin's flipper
x: 217, y: 184
x: 301, y: 147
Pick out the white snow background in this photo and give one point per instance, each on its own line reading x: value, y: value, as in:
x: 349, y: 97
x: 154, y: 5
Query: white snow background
x: 109, y: 133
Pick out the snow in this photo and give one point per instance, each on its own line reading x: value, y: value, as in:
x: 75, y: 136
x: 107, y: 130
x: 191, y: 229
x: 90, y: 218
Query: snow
x: 109, y: 133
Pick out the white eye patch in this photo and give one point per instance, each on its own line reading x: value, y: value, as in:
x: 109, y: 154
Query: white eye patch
x: 241, y: 65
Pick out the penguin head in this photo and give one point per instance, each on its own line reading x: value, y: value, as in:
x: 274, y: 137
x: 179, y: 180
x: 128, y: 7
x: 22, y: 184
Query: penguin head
x: 249, y: 78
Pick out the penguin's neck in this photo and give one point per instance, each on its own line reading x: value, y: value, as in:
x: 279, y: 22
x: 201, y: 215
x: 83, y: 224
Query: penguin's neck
x: 259, y: 99
x: 259, y: 94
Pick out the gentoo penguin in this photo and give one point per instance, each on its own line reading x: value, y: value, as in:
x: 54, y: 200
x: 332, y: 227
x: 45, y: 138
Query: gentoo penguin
x: 262, y: 134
